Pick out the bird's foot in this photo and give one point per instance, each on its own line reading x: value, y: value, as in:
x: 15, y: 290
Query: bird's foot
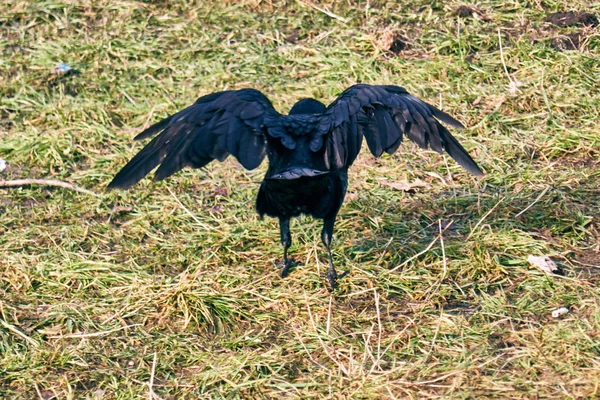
x: 332, y: 277
x: 287, y: 265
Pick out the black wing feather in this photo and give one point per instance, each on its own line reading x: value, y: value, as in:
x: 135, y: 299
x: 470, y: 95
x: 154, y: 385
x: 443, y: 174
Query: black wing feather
x: 215, y: 126
x: 383, y: 115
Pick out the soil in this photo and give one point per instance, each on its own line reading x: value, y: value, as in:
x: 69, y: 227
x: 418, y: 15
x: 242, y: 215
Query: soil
x: 572, y: 18
x: 399, y: 44
x: 464, y: 11
x: 468, y: 11
x: 570, y: 41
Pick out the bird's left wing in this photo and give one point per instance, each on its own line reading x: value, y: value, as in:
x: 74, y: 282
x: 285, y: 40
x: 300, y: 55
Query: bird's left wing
x: 216, y: 125
x: 383, y: 115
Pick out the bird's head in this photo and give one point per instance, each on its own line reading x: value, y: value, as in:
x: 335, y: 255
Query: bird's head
x: 308, y: 106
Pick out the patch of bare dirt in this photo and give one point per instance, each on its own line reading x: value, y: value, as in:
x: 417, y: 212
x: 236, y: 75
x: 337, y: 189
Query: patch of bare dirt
x: 391, y: 41
x: 469, y: 11
x: 579, y: 161
x: 293, y: 37
x: 399, y: 44
x: 570, y: 41
x: 588, y: 273
x: 572, y: 18
x: 463, y: 308
x: 464, y: 11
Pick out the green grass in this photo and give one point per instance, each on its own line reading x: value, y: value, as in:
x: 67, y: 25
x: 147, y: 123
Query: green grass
x: 93, y: 289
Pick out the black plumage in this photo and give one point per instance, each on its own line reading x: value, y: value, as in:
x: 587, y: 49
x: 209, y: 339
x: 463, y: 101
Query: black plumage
x: 309, y: 150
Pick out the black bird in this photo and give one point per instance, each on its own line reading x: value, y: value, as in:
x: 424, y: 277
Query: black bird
x: 309, y: 150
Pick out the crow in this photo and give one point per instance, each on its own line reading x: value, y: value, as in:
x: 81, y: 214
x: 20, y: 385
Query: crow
x: 309, y: 150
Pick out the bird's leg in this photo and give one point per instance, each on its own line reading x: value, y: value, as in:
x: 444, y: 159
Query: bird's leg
x: 286, y: 241
x: 326, y: 236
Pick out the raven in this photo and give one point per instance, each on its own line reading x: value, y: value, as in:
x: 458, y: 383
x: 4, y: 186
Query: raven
x: 309, y: 150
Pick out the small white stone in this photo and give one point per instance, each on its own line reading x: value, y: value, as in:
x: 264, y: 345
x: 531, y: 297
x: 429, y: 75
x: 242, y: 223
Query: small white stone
x: 560, y: 311
x: 2, y: 165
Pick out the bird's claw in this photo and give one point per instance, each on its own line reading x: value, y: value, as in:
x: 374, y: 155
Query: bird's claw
x: 287, y: 266
x: 333, y: 277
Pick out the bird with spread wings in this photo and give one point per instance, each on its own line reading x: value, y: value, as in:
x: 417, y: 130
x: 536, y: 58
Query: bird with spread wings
x: 309, y: 150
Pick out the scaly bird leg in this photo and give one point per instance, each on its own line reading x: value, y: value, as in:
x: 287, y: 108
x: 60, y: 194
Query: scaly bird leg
x: 286, y: 241
x: 326, y: 236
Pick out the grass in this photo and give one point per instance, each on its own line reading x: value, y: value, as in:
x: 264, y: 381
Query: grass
x: 101, y: 296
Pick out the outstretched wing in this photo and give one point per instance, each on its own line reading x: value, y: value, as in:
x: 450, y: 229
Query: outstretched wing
x: 384, y: 115
x: 216, y: 125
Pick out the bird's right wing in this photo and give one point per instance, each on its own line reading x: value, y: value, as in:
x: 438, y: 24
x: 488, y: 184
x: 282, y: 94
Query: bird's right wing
x: 216, y: 125
x: 383, y: 115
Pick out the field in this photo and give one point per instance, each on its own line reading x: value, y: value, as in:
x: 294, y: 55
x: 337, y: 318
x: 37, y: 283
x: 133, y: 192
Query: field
x: 170, y: 290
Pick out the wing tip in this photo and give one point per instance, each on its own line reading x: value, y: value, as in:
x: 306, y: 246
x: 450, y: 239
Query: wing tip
x: 154, y: 128
x: 122, y: 181
x: 445, y: 117
x: 466, y: 161
x: 114, y: 185
x: 477, y: 171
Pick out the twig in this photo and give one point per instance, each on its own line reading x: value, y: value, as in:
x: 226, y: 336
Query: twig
x: 324, y: 11
x: 582, y: 263
x: 535, y: 201
x: 46, y: 182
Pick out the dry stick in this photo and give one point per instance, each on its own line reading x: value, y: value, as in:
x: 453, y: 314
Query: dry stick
x: 46, y: 182
x: 368, y: 350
